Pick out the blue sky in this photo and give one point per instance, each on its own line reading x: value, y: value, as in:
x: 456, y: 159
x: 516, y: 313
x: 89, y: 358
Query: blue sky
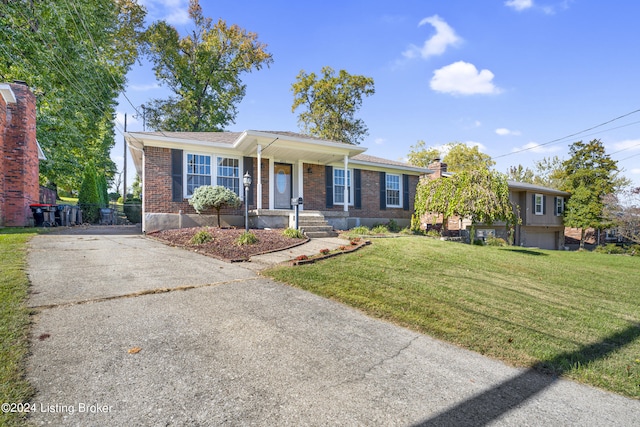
x: 513, y: 77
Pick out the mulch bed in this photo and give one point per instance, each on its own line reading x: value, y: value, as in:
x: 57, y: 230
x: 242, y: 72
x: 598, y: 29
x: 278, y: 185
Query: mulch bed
x: 224, y: 246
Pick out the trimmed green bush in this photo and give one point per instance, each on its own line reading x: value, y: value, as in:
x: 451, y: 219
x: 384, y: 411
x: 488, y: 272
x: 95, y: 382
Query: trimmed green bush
x: 247, y: 238
x: 360, y: 230
x: 293, y: 233
x: 201, y: 237
x: 495, y: 241
x: 380, y: 229
x: 214, y: 196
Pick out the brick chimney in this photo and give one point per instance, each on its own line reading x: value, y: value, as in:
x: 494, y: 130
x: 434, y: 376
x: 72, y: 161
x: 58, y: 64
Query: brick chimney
x: 438, y: 168
x: 19, y: 184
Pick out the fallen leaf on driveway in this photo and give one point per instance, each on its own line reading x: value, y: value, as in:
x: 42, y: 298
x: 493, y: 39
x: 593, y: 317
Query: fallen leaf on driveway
x: 134, y: 350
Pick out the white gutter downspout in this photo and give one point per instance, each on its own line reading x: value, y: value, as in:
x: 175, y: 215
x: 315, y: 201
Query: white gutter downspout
x: 346, y: 182
x: 259, y: 180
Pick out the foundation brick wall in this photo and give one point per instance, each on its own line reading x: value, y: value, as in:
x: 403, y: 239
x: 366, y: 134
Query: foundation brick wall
x: 18, y: 158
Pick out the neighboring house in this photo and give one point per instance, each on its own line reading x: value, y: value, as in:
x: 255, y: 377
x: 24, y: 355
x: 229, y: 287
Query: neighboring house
x: 540, y: 210
x: 336, y: 181
x: 19, y: 155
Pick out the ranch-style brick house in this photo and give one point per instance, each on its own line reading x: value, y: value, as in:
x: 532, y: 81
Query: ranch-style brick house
x: 340, y: 186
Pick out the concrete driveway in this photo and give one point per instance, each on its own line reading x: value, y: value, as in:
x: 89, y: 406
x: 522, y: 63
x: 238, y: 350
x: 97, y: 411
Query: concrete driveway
x: 128, y: 331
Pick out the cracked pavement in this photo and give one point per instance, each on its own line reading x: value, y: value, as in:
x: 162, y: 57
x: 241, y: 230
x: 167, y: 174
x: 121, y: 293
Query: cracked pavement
x: 221, y: 345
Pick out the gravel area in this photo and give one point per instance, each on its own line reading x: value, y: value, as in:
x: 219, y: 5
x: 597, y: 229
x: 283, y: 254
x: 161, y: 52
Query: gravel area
x: 224, y: 246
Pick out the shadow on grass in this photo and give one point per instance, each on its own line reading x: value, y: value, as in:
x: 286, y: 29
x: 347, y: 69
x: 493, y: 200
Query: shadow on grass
x: 491, y: 404
x: 526, y: 252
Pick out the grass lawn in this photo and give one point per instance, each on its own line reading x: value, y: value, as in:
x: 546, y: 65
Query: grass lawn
x: 571, y: 313
x: 14, y: 321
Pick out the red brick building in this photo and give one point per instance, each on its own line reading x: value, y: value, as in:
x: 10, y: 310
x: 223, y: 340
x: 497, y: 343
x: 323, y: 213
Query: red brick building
x: 337, y: 182
x: 19, y: 155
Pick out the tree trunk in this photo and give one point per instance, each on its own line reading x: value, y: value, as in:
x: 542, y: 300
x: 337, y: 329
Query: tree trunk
x: 218, y: 212
x: 582, y: 234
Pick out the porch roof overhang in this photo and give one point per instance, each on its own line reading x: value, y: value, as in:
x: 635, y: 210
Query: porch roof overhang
x: 282, y: 146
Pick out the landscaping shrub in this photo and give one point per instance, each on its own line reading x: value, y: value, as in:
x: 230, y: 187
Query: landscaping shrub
x: 247, y: 238
x: 293, y: 233
x: 478, y: 242
x: 360, y: 230
x: 393, y: 226
x: 324, y: 251
x: 611, y: 249
x: 495, y: 241
x: 380, y: 229
x: 433, y: 233
x: 133, y: 210
x: 88, y: 197
x: 201, y: 237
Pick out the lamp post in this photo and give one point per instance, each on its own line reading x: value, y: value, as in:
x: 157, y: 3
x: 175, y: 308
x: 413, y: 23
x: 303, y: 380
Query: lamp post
x: 246, y: 180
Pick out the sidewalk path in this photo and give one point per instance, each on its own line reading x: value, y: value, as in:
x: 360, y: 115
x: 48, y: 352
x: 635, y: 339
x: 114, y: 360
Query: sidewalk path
x: 128, y: 331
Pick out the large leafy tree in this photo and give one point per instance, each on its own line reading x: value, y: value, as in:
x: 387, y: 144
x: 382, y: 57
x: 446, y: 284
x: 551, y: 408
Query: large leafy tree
x: 480, y: 195
x: 548, y: 172
x: 330, y: 103
x: 589, y: 175
x: 623, y: 210
x: 458, y: 156
x: 74, y: 55
x: 202, y: 70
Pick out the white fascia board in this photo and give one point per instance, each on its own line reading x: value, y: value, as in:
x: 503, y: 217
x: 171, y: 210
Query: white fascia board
x: 267, y: 138
x: 382, y: 167
x: 142, y: 140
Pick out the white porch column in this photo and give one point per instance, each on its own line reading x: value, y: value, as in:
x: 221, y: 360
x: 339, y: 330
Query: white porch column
x: 271, y: 194
x: 259, y: 179
x: 346, y: 181
x: 300, y: 182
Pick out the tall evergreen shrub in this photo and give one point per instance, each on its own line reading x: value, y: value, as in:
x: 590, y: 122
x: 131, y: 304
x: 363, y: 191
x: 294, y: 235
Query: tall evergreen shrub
x: 89, y: 197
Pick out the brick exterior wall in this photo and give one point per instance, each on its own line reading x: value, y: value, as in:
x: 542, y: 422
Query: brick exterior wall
x: 19, y: 158
x: 315, y: 195
x: 157, y: 194
x: 157, y: 181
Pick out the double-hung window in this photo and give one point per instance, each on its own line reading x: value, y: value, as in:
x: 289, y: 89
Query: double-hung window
x: 539, y: 204
x: 339, y: 182
x: 393, y: 191
x: 559, y: 206
x: 228, y: 174
x: 198, y: 172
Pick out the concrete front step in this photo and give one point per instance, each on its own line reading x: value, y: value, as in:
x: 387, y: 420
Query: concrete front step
x: 314, y: 228
x: 320, y: 234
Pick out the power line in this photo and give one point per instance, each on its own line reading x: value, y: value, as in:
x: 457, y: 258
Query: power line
x: 569, y: 136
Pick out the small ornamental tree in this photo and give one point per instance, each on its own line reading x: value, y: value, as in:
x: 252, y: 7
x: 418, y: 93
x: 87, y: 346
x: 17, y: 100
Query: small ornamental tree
x: 214, y: 196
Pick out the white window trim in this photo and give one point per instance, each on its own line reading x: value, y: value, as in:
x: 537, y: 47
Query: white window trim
x: 350, y: 187
x: 560, y: 204
x: 214, y: 170
x: 535, y: 205
x: 400, y: 194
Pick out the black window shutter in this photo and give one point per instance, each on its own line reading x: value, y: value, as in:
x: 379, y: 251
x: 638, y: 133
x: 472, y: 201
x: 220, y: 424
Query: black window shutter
x: 328, y: 184
x: 357, y: 182
x: 533, y: 204
x: 405, y: 192
x: 544, y: 205
x: 248, y: 167
x: 555, y: 206
x: 176, y: 176
x: 383, y: 191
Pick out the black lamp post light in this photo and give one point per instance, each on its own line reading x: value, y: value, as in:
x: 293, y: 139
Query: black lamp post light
x: 246, y: 180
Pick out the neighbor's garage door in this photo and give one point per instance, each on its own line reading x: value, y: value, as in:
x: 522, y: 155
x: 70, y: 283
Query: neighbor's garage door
x: 541, y: 240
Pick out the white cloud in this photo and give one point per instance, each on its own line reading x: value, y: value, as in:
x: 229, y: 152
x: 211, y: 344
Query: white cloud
x: 462, y: 78
x: 505, y: 132
x: 629, y: 144
x: 379, y: 141
x: 144, y: 88
x: 173, y: 11
x: 519, y: 5
x: 444, y: 37
x: 635, y: 171
x: 534, y: 147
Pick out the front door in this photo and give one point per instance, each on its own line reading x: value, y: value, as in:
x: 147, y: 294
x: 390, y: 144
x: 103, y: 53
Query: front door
x: 282, y: 185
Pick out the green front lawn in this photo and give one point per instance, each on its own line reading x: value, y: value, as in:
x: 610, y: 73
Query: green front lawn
x: 571, y: 313
x: 14, y: 321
